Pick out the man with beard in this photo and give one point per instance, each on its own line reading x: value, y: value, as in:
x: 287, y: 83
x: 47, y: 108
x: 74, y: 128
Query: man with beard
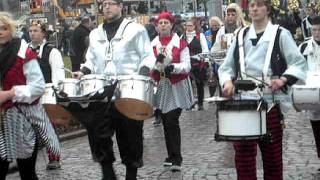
x: 123, y: 47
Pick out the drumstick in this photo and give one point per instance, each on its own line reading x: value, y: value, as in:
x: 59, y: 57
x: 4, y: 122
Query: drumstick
x: 256, y: 79
x: 68, y: 70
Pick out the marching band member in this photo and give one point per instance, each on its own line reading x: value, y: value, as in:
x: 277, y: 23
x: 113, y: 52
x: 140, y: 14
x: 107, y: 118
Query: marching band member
x: 52, y: 67
x: 233, y: 22
x: 24, y: 123
x: 211, y: 35
x: 197, y: 44
x: 174, y: 91
x: 117, y: 46
x: 311, y: 50
x: 283, y: 65
x: 306, y: 24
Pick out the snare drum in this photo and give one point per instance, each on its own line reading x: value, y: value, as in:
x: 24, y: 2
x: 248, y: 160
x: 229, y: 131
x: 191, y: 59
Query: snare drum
x: 305, y: 97
x: 92, y: 83
x: 241, y: 120
x: 56, y: 113
x: 69, y: 86
x: 134, y: 96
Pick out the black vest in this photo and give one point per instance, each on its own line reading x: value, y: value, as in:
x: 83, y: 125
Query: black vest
x: 195, y: 45
x: 278, y: 63
x: 44, y: 62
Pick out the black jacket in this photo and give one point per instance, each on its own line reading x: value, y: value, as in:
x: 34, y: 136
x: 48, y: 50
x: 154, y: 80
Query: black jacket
x: 80, y: 34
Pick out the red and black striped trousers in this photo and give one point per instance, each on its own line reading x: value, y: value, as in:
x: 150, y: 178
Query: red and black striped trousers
x: 271, y: 151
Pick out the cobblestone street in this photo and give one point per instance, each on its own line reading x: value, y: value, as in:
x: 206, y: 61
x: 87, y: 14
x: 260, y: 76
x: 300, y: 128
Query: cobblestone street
x: 204, y: 158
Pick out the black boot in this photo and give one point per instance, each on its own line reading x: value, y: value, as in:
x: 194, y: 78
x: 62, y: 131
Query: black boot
x: 131, y: 173
x: 316, y: 132
x: 108, y: 172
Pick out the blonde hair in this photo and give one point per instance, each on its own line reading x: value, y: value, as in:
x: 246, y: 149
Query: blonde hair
x: 240, y: 19
x: 6, y: 18
x: 216, y: 19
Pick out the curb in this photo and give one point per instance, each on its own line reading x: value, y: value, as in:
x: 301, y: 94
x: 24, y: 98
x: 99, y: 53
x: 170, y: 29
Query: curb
x: 13, y: 167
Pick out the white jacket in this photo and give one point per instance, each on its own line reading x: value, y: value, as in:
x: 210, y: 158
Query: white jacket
x: 126, y: 52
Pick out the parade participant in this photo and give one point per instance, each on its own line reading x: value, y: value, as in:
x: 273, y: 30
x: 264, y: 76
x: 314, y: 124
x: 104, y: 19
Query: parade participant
x: 233, y: 21
x: 211, y: 34
x: 286, y: 67
x: 197, y: 44
x: 123, y: 47
x: 79, y: 42
x: 311, y: 50
x: 24, y: 124
x: 306, y: 24
x: 52, y: 67
x: 174, y: 91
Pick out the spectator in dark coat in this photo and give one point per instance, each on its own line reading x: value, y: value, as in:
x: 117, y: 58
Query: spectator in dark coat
x: 80, y: 41
x: 151, y: 28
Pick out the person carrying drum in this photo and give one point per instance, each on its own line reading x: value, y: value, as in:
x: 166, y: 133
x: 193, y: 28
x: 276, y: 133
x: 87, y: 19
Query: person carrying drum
x: 52, y: 67
x: 197, y: 44
x: 23, y: 123
x: 311, y: 51
x: 281, y: 65
x: 117, y: 47
x: 174, y: 91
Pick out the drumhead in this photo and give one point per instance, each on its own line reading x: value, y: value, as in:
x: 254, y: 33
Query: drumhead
x: 134, y: 109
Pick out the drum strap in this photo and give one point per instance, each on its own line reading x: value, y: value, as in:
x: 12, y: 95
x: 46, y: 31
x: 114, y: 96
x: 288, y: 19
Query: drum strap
x: 268, y: 55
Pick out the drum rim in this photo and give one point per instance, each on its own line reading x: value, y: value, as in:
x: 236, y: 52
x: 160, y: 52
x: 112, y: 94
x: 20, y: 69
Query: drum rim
x: 93, y: 76
x: 49, y: 85
x: 134, y: 77
x: 70, y: 80
x: 221, y: 105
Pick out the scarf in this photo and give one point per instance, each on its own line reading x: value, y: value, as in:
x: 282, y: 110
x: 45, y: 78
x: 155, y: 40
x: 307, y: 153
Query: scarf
x: 112, y: 27
x: 8, y: 56
x: 230, y: 28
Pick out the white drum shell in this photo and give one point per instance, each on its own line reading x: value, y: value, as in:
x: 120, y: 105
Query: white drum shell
x: 136, y: 87
x: 92, y: 83
x: 48, y: 97
x: 242, y: 123
x: 306, y: 97
x: 70, y: 86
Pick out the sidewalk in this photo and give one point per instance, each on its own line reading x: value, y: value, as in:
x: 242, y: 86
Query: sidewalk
x: 204, y: 158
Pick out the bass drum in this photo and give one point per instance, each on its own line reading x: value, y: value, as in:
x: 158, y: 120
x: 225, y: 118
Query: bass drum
x: 134, y: 96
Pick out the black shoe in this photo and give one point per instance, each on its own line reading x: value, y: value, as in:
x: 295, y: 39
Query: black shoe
x: 167, y: 162
x: 131, y: 173
x: 157, y: 121
x: 108, y: 172
x: 176, y: 166
x: 200, y: 108
x: 53, y: 165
